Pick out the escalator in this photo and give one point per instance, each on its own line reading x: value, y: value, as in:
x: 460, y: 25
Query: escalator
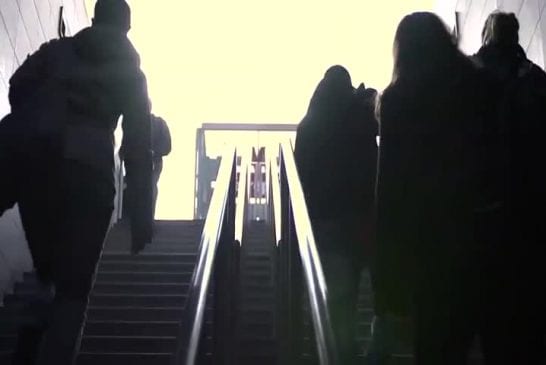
x: 257, y: 342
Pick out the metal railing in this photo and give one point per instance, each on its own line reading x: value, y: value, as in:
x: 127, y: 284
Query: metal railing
x: 299, y: 267
x: 242, y: 198
x: 217, y: 270
x: 274, y: 195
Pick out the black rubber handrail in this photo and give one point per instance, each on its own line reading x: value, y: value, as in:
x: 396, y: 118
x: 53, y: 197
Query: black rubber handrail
x: 214, y: 258
x: 300, y: 266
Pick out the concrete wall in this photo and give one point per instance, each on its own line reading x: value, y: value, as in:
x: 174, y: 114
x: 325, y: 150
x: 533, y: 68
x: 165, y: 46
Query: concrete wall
x: 531, y: 15
x: 24, y: 26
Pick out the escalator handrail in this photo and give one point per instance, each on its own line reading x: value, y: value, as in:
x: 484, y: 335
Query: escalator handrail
x: 193, y: 318
x: 275, y: 196
x: 242, y: 199
x: 312, y: 267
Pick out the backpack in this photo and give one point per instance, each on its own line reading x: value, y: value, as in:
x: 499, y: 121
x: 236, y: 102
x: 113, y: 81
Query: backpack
x: 161, y: 137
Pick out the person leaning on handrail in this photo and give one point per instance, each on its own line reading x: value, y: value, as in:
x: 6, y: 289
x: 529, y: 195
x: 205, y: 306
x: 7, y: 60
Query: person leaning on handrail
x: 57, y: 149
x: 336, y: 157
x: 432, y: 117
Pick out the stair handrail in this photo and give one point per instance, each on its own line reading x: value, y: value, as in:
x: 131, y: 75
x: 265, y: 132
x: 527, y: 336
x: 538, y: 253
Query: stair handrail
x: 216, y: 240
x: 300, y: 261
x: 274, y: 194
x: 242, y: 198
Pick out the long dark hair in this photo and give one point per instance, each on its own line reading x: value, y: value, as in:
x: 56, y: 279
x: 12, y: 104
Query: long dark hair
x: 423, y: 48
x: 501, y: 29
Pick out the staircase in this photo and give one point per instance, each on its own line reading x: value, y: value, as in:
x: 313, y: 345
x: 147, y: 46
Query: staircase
x: 136, y: 303
x: 257, y: 335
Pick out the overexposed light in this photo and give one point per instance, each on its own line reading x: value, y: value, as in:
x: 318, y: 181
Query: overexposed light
x: 251, y: 62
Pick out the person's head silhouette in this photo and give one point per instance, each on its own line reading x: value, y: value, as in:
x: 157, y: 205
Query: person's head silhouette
x: 501, y: 29
x: 113, y: 13
x: 333, y: 91
x: 422, y: 45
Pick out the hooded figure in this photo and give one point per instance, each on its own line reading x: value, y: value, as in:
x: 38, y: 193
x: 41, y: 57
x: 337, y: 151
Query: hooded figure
x: 336, y: 156
x: 58, y: 145
x: 516, y: 290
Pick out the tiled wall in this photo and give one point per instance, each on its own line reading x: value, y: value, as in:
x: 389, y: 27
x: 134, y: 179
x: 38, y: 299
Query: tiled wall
x: 531, y: 15
x: 25, y: 25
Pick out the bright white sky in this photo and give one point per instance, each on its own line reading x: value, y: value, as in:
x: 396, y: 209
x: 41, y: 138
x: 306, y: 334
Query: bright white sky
x: 251, y: 61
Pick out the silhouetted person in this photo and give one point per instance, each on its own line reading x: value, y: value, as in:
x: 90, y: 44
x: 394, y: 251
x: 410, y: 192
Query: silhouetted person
x: 514, y: 311
x: 336, y: 154
x: 65, y: 102
x: 161, y: 146
x: 431, y: 117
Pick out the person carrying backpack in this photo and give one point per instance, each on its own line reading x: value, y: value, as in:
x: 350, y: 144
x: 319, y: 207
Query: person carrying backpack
x: 161, y: 146
x: 57, y: 153
x: 514, y: 231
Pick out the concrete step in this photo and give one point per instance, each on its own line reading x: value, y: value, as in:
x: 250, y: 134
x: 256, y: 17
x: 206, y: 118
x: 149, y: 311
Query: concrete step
x: 136, y: 328
x: 148, y: 277
x: 129, y: 344
x: 167, y: 248
x: 140, y: 288
x: 131, y: 328
x: 101, y: 358
x: 134, y: 313
x: 138, y: 300
x: 146, y: 266
x: 149, y: 257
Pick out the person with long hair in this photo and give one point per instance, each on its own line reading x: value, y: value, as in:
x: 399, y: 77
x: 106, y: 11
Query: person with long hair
x: 431, y: 122
x: 515, y: 296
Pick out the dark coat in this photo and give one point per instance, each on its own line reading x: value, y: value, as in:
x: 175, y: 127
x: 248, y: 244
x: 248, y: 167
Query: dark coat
x: 336, y: 154
x: 66, y: 100
x: 429, y: 181
x: 522, y: 113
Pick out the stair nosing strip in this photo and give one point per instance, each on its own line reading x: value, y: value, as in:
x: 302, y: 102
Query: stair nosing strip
x: 133, y: 307
x: 114, y: 295
x: 125, y: 353
x: 145, y: 272
x: 103, y: 321
x: 129, y: 337
x: 170, y: 283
